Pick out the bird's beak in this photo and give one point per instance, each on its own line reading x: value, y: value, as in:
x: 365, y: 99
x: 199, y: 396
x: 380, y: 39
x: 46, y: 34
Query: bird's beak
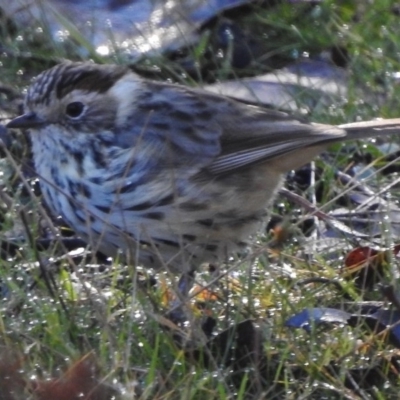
x: 26, y: 121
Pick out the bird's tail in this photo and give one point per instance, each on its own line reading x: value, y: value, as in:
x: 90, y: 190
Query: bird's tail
x: 375, y: 128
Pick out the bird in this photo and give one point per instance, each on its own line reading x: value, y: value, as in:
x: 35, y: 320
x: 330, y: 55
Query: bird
x: 164, y: 175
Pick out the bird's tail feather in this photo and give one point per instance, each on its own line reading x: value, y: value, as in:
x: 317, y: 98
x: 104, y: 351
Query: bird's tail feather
x: 374, y: 128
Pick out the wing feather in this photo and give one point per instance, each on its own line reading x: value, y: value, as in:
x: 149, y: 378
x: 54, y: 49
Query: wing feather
x: 218, y: 134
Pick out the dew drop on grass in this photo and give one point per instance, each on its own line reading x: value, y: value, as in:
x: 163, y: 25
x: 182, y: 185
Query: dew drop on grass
x: 61, y: 35
x: 103, y: 50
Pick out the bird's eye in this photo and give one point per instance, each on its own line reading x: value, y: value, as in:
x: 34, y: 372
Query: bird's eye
x: 75, y: 109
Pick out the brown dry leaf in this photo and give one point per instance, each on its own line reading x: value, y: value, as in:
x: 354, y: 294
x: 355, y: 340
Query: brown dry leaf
x: 201, y: 293
x: 79, y: 382
x: 12, y: 383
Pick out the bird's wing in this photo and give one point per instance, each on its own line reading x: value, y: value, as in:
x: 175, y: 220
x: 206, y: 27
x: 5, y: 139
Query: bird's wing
x: 254, y: 134
x: 216, y: 133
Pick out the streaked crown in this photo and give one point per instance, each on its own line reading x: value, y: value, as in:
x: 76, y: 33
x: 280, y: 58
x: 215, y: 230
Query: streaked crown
x: 60, y: 80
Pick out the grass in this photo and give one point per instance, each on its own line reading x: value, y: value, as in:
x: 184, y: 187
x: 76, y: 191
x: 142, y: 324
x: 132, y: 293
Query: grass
x: 61, y: 312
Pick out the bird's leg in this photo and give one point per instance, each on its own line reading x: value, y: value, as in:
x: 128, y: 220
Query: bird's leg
x: 177, y: 313
x: 185, y: 283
